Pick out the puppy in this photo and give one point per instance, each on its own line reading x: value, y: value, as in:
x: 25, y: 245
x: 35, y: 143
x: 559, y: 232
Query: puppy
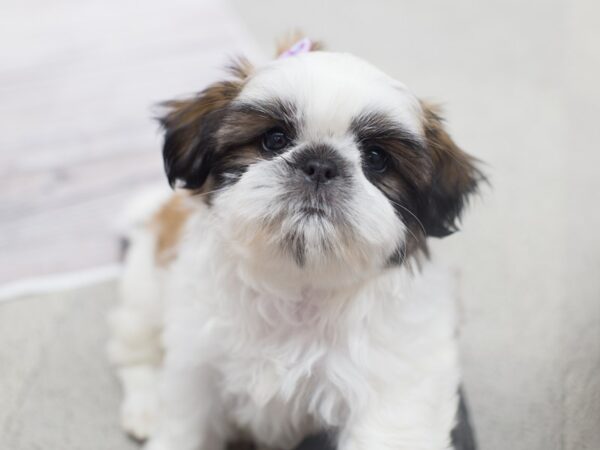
x: 283, y: 290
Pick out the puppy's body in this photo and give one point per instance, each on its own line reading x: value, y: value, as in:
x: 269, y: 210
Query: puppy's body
x: 280, y: 364
x: 280, y: 289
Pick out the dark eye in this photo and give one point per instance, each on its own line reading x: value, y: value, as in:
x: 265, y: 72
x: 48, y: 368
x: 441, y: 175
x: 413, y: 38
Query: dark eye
x: 275, y: 140
x: 376, y: 159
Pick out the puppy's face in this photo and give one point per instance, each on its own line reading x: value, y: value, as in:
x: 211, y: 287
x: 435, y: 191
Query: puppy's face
x: 321, y: 160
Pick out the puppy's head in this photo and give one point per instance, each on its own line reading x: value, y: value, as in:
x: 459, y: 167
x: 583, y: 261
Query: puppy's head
x: 320, y: 160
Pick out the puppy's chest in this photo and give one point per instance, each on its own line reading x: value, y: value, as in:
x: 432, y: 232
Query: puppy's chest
x: 283, y: 395
x: 282, y: 378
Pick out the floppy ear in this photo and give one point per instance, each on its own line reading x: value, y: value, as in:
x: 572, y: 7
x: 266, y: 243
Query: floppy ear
x: 190, y: 129
x: 455, y: 178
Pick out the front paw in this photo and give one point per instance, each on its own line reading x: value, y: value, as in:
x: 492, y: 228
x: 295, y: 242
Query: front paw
x: 140, y: 415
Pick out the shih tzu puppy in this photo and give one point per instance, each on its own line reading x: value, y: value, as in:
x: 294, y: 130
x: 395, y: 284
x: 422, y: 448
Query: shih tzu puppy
x: 284, y: 290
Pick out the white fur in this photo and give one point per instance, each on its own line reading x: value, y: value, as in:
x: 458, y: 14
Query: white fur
x: 256, y: 344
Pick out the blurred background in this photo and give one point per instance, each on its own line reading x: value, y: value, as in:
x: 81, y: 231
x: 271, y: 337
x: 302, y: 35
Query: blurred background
x: 519, y: 81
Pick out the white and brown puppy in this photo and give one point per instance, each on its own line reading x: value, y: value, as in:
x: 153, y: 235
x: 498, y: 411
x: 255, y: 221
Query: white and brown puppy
x: 271, y: 297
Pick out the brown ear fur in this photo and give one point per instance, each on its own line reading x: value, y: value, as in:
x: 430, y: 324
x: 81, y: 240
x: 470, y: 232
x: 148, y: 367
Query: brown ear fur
x: 455, y: 178
x: 191, y: 125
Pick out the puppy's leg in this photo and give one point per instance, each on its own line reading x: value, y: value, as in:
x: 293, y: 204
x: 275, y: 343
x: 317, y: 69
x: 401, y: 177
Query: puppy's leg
x: 420, y: 417
x: 135, y: 326
x: 140, y: 412
x: 192, y: 416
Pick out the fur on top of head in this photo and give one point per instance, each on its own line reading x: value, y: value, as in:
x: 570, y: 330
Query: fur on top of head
x: 319, y: 159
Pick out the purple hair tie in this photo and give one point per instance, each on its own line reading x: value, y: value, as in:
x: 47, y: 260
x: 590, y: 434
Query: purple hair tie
x: 302, y: 46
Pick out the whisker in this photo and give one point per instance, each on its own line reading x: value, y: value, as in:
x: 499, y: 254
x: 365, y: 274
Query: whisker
x: 414, y: 237
x: 202, y: 194
x: 411, y: 213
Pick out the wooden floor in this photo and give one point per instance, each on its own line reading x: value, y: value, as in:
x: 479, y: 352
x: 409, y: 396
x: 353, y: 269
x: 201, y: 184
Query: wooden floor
x: 77, y: 84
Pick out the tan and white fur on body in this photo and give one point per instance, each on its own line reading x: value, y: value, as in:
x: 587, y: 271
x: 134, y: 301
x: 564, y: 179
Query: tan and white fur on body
x: 284, y: 289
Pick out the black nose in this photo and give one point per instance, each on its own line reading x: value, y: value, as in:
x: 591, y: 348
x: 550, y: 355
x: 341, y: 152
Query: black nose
x: 320, y: 170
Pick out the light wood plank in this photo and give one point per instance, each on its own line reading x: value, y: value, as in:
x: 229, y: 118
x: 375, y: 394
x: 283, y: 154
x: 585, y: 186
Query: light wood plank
x: 78, y: 82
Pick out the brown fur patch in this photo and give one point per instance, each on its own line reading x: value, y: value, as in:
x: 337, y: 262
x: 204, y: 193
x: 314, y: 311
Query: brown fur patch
x: 286, y: 42
x: 188, y: 111
x: 456, y: 176
x: 168, y: 224
x: 241, y: 68
x: 191, y: 125
x: 455, y: 169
